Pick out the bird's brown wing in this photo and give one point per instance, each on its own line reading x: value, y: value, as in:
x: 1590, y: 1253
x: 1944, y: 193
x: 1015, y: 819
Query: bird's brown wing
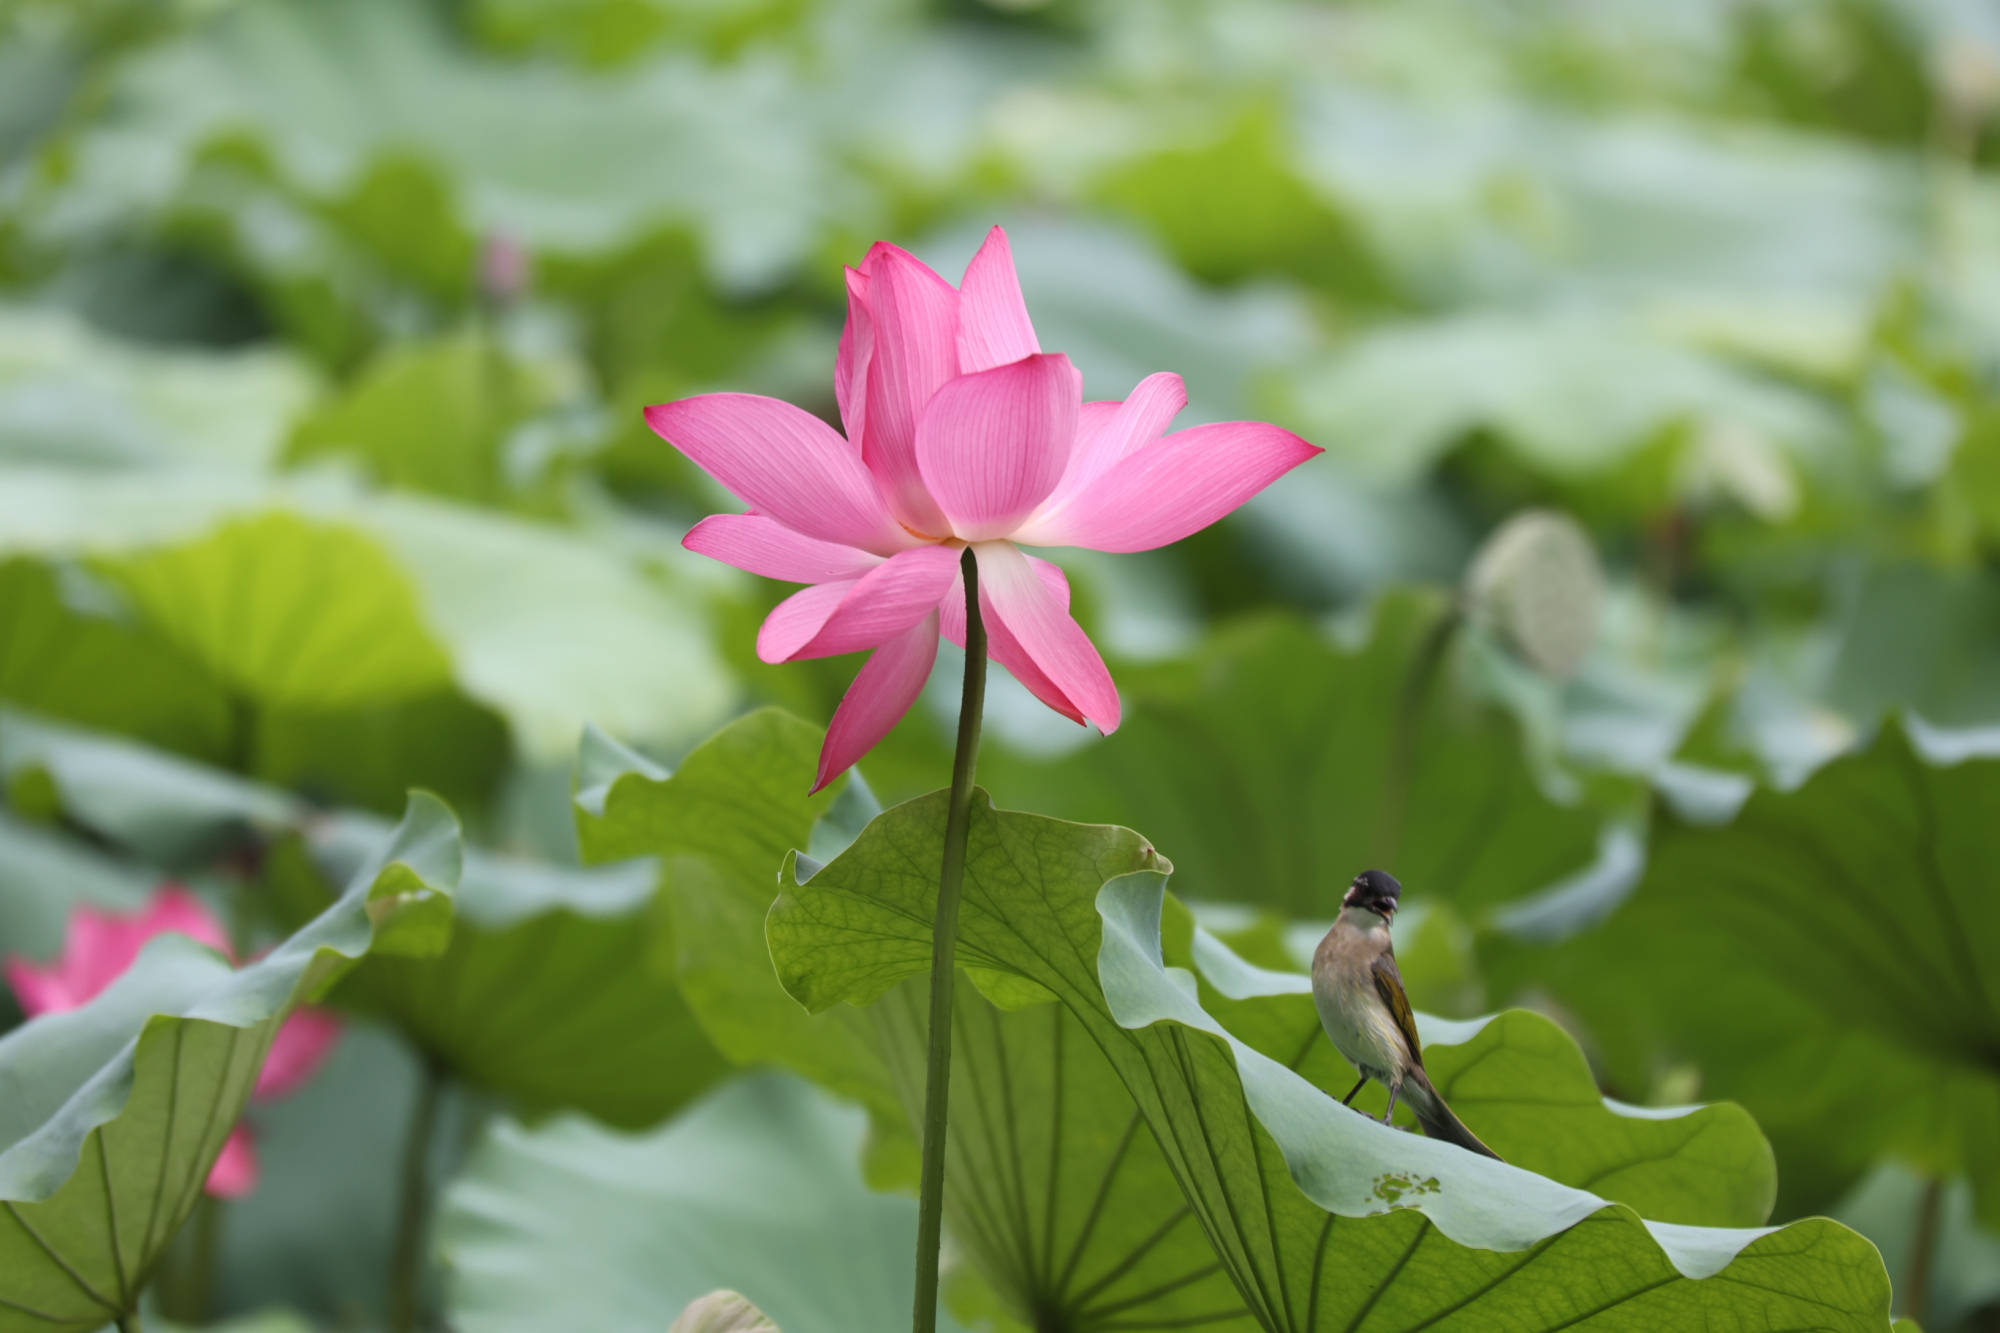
x: 1389, y: 985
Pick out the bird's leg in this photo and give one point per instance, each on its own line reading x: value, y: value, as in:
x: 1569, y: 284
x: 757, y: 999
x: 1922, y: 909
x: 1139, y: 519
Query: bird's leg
x: 1390, y: 1114
x: 1361, y: 1083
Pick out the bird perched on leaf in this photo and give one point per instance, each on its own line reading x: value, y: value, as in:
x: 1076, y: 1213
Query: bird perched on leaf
x: 1364, y: 1010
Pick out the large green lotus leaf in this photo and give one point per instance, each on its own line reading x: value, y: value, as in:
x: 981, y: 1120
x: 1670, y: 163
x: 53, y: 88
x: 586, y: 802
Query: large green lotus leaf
x: 1275, y: 755
x: 755, y: 1189
x: 74, y: 397
x: 1524, y: 1086
x: 1034, y: 1099
x: 115, y: 1112
x: 1319, y: 1215
x: 548, y: 628
x: 1848, y: 938
x: 1055, y: 1188
x: 718, y: 828
x: 289, y: 612
x: 102, y: 670
x: 367, y: 757
x: 555, y: 630
x: 556, y: 992
x: 1056, y: 1192
x: 97, y: 666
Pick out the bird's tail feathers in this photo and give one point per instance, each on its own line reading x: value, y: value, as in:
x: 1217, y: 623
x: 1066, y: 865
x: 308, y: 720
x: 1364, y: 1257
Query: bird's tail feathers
x: 1436, y: 1117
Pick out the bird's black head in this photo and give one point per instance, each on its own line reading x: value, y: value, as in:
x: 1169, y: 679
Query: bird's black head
x: 1376, y: 890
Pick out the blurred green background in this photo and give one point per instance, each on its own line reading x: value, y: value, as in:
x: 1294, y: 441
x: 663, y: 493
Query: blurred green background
x: 325, y: 330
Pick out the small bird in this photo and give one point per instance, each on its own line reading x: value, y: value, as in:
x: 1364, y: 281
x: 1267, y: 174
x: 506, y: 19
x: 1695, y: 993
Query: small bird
x: 1361, y: 1004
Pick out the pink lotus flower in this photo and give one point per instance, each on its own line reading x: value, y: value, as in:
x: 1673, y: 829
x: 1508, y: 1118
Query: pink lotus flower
x: 961, y: 432
x: 101, y: 945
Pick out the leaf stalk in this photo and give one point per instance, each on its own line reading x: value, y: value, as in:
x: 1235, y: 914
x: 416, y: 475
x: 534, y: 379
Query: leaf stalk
x: 1923, y: 1250
x: 407, y: 1259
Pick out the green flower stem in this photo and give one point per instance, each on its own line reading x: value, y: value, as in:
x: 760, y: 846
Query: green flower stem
x: 407, y: 1260
x: 944, y: 949
x: 128, y: 1323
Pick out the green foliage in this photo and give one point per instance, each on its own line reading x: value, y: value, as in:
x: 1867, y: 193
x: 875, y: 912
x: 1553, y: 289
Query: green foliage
x: 427, y: 418
x: 1310, y: 1207
x: 554, y: 993
x: 324, y: 335
x: 537, y: 624
x: 556, y: 989
x: 124, y: 1104
x: 1036, y: 1109
x: 62, y: 660
x: 71, y: 396
x: 717, y: 829
x: 1254, y: 213
x: 288, y: 612
x: 1234, y: 751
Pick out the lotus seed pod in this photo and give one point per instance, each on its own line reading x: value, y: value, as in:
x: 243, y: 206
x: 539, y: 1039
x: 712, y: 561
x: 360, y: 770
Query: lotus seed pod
x: 723, y: 1312
x: 1536, y: 582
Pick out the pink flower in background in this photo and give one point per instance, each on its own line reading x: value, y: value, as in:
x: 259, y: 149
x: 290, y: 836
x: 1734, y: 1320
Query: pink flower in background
x: 102, y: 945
x: 961, y: 432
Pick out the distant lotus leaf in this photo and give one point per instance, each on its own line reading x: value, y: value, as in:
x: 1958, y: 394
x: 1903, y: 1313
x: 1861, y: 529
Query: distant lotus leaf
x: 1571, y: 398
x: 671, y: 140
x: 167, y: 810
x: 431, y: 416
x: 557, y: 991
x: 546, y: 627
x: 101, y: 670
x: 288, y: 611
x: 72, y: 396
x: 1284, y: 764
